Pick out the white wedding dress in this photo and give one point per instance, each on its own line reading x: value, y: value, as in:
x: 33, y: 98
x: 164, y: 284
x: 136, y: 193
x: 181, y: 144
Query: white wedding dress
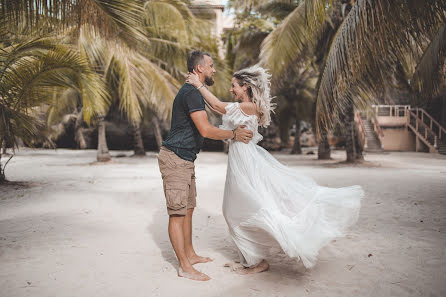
x: 268, y: 205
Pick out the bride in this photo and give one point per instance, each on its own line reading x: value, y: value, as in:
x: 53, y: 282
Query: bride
x: 266, y: 204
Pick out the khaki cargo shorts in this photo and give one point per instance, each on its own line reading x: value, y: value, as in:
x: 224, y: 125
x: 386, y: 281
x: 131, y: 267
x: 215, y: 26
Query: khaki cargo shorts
x: 178, y: 182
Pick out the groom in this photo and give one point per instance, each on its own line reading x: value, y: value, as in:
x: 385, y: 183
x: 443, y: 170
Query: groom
x: 176, y: 158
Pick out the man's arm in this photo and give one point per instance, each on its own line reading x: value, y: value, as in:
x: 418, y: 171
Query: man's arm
x: 206, y: 130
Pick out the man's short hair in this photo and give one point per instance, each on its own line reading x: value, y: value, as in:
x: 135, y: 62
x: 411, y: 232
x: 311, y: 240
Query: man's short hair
x: 196, y: 57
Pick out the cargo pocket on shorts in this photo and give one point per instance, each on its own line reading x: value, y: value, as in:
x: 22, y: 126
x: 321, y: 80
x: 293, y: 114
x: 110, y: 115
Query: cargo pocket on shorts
x: 193, y: 187
x: 176, y: 195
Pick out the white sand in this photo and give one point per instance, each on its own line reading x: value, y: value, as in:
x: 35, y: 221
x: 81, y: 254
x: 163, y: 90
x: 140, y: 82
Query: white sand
x: 80, y: 229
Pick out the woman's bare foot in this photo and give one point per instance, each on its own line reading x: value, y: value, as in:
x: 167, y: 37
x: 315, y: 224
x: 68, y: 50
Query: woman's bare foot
x: 198, y: 259
x: 234, y: 266
x: 262, y: 266
x: 193, y: 274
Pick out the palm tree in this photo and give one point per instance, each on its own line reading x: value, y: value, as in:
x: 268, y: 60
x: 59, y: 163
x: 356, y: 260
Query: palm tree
x: 372, y: 38
x: 173, y: 31
x: 134, y: 83
x: 143, y: 80
x: 30, y: 73
x: 144, y: 57
x: 114, y: 19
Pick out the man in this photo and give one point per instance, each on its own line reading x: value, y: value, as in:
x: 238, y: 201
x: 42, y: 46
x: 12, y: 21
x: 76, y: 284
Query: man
x: 189, y: 126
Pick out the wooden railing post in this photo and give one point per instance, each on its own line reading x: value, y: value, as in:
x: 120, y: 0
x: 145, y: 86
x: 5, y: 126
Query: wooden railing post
x: 416, y: 122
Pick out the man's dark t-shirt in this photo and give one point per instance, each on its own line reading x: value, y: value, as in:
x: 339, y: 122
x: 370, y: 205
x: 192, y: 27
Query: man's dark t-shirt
x: 184, y: 139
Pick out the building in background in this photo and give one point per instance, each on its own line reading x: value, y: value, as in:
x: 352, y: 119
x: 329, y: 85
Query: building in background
x: 212, y: 10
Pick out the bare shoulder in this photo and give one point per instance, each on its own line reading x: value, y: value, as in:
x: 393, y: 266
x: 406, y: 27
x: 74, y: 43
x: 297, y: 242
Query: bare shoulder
x: 249, y: 108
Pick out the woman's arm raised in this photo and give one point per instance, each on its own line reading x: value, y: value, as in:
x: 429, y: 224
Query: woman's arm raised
x: 210, y: 99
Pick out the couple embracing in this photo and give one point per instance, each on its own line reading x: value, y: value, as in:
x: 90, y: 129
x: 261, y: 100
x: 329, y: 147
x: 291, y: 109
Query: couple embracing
x: 267, y: 206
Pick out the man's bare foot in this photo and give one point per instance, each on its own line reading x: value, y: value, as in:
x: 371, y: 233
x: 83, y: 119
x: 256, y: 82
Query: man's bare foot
x: 262, y: 266
x: 193, y: 274
x: 198, y: 259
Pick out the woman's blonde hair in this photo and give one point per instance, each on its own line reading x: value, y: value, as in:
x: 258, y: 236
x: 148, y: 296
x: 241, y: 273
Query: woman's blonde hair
x: 258, y: 82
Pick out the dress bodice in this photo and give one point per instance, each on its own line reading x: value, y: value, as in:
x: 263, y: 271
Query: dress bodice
x: 235, y: 117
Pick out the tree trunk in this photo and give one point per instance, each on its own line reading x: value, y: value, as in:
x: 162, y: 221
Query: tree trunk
x: 352, y: 146
x: 3, y: 142
x: 284, y: 126
x: 103, y: 154
x: 443, y: 112
x: 358, y: 146
x: 349, y: 130
x: 79, y: 131
x: 157, y: 131
x: 296, y: 146
x: 323, y: 151
x: 2, y: 172
x: 139, y: 145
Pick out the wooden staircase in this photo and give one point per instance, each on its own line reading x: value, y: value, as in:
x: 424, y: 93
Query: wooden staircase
x: 372, y: 142
x: 427, y: 130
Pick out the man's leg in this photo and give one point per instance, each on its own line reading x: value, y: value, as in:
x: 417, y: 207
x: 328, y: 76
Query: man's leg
x: 188, y: 246
x: 176, y: 235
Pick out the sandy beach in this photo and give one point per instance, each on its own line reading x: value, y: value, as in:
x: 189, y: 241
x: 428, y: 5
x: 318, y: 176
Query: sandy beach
x: 73, y: 227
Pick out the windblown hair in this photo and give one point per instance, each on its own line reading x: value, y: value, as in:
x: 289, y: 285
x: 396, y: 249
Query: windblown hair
x: 258, y: 82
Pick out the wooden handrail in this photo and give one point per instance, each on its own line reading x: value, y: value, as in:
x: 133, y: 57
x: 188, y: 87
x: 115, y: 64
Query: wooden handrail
x: 378, y: 127
x: 393, y: 110
x: 440, y: 128
x: 425, y: 126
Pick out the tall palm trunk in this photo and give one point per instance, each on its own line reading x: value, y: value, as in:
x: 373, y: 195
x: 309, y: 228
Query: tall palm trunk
x: 352, y: 146
x: 78, y: 131
x: 359, y: 147
x: 2, y: 172
x: 157, y: 131
x: 103, y: 154
x: 296, y: 146
x: 323, y: 151
x: 139, y: 145
x: 349, y: 134
x: 3, y: 142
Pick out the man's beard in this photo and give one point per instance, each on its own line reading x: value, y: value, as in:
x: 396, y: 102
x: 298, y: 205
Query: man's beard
x: 209, y: 80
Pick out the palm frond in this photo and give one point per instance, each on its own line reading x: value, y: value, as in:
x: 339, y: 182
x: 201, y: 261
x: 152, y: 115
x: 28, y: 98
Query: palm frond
x: 62, y: 103
x: 30, y: 80
x: 142, y: 83
x: 429, y: 74
x: 374, y: 36
x: 125, y: 15
x: 277, y: 9
x: 250, y: 5
x: 108, y: 16
x: 289, y: 41
x: 173, y: 54
x: 15, y: 123
x: 164, y: 20
x: 316, y: 12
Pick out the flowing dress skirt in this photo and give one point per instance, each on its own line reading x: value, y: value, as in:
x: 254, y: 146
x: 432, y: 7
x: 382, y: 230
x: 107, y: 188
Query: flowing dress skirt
x: 268, y: 205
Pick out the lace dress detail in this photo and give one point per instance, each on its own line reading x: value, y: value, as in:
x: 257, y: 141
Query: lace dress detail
x: 268, y: 205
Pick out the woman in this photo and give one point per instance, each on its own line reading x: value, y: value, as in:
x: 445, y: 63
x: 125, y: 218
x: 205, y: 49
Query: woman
x: 266, y: 204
